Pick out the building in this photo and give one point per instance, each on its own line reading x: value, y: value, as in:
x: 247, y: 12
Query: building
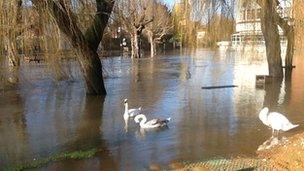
x: 248, y: 26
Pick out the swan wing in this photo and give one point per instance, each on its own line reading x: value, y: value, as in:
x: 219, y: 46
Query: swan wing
x: 289, y: 127
x: 277, y: 118
x: 279, y: 122
x: 153, y: 122
x: 133, y: 112
x: 158, y: 122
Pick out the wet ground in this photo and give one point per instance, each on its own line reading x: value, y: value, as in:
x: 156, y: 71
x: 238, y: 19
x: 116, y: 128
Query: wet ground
x: 42, y: 118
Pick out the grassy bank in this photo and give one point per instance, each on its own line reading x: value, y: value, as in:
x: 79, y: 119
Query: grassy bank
x: 81, y: 154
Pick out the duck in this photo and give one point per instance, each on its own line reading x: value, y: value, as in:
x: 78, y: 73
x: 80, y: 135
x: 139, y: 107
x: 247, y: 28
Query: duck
x: 130, y: 112
x: 154, y: 123
x: 276, y: 121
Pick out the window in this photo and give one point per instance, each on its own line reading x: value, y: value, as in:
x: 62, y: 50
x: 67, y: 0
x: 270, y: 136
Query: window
x: 244, y: 15
x: 258, y: 14
x: 251, y: 14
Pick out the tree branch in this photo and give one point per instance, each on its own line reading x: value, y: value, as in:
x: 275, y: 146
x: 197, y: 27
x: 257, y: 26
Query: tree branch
x: 94, y: 34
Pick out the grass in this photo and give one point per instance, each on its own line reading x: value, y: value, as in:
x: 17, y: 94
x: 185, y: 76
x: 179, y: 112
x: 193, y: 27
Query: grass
x: 81, y: 154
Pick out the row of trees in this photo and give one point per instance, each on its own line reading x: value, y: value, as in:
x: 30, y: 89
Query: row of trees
x: 83, y: 23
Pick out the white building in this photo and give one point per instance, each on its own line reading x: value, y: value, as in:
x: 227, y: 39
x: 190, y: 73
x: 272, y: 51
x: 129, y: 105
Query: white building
x: 248, y: 26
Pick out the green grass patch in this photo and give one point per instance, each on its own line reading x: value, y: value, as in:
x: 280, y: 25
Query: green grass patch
x: 81, y: 154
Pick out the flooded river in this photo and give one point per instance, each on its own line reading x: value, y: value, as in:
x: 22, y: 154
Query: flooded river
x: 42, y: 118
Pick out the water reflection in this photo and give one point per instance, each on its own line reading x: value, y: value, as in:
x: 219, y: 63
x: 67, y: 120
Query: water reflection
x: 141, y: 132
x: 126, y: 124
x: 39, y: 122
x: 47, y: 118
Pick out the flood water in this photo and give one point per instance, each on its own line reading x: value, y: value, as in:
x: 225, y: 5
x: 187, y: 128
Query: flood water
x: 42, y: 118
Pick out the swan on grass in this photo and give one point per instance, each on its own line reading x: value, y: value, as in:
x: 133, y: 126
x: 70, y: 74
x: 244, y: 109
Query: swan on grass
x: 276, y: 121
x: 130, y: 112
x: 154, y: 123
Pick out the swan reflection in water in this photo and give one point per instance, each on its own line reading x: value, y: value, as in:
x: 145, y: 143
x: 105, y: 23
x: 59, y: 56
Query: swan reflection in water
x: 126, y: 127
x: 271, y: 142
x: 141, y: 132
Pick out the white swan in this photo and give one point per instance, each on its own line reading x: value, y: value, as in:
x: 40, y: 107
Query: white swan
x: 275, y: 120
x: 130, y: 112
x: 154, y: 123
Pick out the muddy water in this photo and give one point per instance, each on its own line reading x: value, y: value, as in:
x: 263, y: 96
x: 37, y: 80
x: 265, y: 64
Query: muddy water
x: 42, y: 118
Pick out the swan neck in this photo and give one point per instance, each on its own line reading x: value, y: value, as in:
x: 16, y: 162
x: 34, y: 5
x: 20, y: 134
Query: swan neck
x: 264, y: 116
x: 143, y: 120
x: 126, y: 108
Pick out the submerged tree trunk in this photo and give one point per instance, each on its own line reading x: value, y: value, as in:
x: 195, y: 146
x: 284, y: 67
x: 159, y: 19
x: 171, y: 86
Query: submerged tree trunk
x: 137, y: 33
x: 92, y: 70
x: 290, y: 49
x: 272, y: 38
x: 289, y: 33
x: 136, y: 45
x: 132, y: 46
x: 153, y: 48
x: 152, y: 44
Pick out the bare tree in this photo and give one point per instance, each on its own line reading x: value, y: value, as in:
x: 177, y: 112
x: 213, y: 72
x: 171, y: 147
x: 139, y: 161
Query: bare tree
x: 160, y: 26
x: 132, y: 15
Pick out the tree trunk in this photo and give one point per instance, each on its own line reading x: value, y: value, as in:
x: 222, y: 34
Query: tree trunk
x: 133, y: 46
x: 289, y: 50
x: 136, y: 45
x: 272, y: 38
x: 289, y: 33
x: 92, y: 71
x: 152, y: 44
x: 153, y: 48
x: 86, y: 44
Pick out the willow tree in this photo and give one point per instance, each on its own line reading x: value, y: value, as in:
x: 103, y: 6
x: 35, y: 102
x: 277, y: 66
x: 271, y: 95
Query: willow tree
x: 132, y: 14
x: 84, y: 42
x: 11, y: 27
x: 218, y: 18
x: 160, y: 26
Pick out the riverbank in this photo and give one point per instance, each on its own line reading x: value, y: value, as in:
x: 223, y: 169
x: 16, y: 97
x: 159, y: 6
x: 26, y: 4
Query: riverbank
x: 287, y: 155
x: 277, y: 154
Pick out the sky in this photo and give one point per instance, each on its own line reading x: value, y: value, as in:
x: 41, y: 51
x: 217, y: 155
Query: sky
x: 170, y: 3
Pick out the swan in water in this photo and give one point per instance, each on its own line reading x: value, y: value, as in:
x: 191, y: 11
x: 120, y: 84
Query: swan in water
x: 154, y: 123
x: 275, y: 120
x: 130, y: 112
